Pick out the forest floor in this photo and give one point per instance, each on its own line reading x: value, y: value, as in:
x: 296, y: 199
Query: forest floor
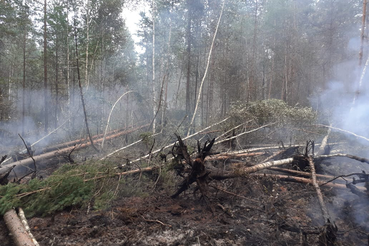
x: 250, y: 210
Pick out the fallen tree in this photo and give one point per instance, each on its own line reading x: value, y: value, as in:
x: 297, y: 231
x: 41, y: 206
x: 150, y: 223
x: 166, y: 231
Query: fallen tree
x: 64, y: 151
x: 18, y: 232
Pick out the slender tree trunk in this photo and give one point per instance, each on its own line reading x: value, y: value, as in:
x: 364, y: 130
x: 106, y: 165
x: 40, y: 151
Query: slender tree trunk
x: 179, y: 86
x: 362, y: 33
x: 206, y: 70
x: 80, y: 90
x: 87, y: 82
x: 45, y: 72
x: 153, y: 65
x: 24, y: 81
x: 164, y: 107
x: 253, y: 73
x: 361, y: 55
x: 56, y: 83
x: 68, y: 68
x: 188, y: 74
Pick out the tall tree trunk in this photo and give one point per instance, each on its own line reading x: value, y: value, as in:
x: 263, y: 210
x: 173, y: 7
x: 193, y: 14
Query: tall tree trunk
x: 87, y: 82
x: 153, y: 65
x: 206, y: 70
x: 56, y: 84
x: 253, y: 77
x: 24, y: 80
x: 80, y: 89
x: 179, y: 86
x: 361, y: 55
x: 164, y: 107
x: 68, y: 70
x: 45, y: 71
x: 188, y: 74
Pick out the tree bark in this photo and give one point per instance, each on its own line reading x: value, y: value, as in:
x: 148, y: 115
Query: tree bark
x: 17, y: 230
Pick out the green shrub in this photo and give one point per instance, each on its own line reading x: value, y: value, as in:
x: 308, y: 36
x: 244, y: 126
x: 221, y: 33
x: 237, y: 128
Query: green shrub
x: 70, y: 186
x: 274, y: 110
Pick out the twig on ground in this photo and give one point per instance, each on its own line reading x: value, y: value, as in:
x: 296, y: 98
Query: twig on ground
x: 156, y: 221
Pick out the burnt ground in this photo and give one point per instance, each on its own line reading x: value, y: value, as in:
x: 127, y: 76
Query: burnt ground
x: 252, y: 210
x: 265, y: 211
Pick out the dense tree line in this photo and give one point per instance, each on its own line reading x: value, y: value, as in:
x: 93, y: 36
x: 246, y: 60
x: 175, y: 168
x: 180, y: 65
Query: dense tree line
x: 263, y: 49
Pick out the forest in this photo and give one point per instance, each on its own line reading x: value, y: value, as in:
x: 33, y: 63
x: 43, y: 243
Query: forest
x: 217, y: 122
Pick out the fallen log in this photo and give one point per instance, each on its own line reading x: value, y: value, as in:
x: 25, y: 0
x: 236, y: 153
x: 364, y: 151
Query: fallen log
x: 357, y: 158
x: 80, y: 141
x: 318, y: 191
x: 295, y: 179
x: 4, y: 176
x: 18, y: 232
x: 225, y: 156
x: 64, y: 151
x: 328, y: 235
x: 295, y: 172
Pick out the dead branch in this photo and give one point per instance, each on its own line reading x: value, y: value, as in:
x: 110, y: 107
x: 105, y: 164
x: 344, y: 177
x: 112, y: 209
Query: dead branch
x: 274, y: 155
x: 17, y: 230
x: 111, y: 111
x: 318, y: 191
x: 172, y: 144
x: 3, y: 159
x: 345, y: 155
x: 342, y: 130
x: 156, y: 221
x: 295, y: 172
x: 30, y: 153
x: 247, y: 132
x: 329, y: 230
x: 198, y: 172
x: 43, y: 137
x: 301, y: 180
x: 230, y: 130
x: 323, y: 145
x: 345, y: 176
x: 125, y: 147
